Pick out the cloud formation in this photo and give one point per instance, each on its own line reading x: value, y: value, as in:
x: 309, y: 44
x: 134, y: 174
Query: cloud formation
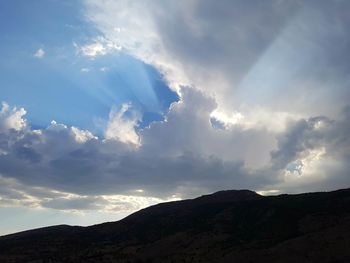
x: 263, y: 92
x: 183, y: 156
x: 249, y: 55
x: 121, y: 127
x: 98, y: 47
x: 314, y: 152
x: 40, y: 53
x: 12, y: 118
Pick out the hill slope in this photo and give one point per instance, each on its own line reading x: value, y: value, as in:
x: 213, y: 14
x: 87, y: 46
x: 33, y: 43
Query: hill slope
x: 227, y: 226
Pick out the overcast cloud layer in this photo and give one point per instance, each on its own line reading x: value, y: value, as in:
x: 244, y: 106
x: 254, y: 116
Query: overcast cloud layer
x: 264, y: 93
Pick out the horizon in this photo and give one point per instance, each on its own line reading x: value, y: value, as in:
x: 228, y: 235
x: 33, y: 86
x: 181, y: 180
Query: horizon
x: 111, y: 106
x: 169, y: 202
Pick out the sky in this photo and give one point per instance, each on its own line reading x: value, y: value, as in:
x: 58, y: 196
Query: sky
x: 110, y: 106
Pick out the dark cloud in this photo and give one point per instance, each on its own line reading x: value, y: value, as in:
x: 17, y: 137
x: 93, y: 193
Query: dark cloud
x: 75, y: 203
x: 177, y: 157
x: 300, y: 136
x: 226, y: 36
x: 315, y: 138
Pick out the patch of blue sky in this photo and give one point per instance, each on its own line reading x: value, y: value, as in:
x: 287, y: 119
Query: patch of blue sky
x: 64, y: 85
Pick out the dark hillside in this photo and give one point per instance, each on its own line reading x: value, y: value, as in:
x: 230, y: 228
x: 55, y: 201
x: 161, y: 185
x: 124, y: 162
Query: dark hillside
x: 221, y: 227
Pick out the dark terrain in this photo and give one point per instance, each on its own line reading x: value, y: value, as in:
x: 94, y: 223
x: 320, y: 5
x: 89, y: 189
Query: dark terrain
x: 228, y: 226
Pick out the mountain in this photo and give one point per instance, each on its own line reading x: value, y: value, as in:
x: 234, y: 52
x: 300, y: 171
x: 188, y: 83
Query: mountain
x: 227, y: 226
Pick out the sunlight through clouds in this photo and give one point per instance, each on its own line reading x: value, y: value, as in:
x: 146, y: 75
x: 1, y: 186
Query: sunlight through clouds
x: 122, y: 127
x: 110, y: 106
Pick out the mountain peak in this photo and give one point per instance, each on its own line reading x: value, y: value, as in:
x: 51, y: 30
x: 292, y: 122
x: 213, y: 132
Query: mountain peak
x: 230, y: 196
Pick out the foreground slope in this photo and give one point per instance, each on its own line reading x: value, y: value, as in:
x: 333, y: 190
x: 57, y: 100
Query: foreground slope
x: 228, y: 226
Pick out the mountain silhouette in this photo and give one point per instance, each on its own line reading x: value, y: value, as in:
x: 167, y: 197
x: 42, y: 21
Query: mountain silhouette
x: 227, y: 226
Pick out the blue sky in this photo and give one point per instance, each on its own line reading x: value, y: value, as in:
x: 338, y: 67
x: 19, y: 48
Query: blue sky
x: 74, y: 89
x: 158, y: 100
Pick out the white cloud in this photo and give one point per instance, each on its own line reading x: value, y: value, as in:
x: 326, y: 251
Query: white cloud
x: 122, y: 127
x: 255, y: 118
x: 269, y: 192
x: 12, y: 118
x: 188, y: 128
x: 84, y: 70
x: 82, y: 136
x: 40, y: 53
x: 278, y: 60
x: 228, y: 119
x: 104, y: 69
x: 99, y: 47
x: 92, y: 50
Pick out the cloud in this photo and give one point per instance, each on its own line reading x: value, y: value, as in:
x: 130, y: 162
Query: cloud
x: 15, y: 194
x: 121, y: 127
x: 314, y: 153
x: 84, y: 70
x: 261, y: 87
x: 246, y: 54
x: 188, y: 129
x: 67, y: 168
x: 12, y: 118
x: 75, y: 202
x: 40, y: 53
x: 265, y: 72
x: 82, y: 136
x: 100, y: 46
x: 71, y: 160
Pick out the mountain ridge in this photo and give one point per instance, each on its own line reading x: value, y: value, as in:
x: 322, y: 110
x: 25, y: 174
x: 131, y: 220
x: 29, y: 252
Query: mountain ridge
x: 223, y: 226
